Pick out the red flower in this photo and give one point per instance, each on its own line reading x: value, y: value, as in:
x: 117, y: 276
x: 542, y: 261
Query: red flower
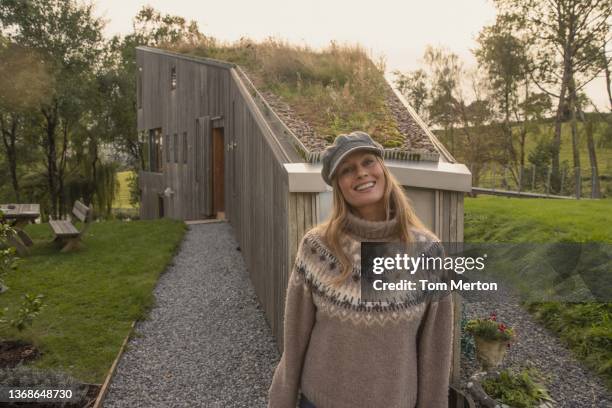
x: 493, y: 317
x: 502, y: 327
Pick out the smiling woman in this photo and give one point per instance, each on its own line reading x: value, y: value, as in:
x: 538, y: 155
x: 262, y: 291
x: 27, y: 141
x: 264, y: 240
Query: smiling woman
x: 332, y: 340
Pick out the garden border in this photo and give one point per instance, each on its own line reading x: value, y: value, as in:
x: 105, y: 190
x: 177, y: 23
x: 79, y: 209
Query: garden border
x: 111, y: 372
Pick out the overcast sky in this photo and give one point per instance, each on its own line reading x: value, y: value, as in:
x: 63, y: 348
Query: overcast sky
x: 399, y: 30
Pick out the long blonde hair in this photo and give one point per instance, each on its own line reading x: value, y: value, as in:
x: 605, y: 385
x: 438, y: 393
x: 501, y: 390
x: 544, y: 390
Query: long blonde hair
x: 394, y: 197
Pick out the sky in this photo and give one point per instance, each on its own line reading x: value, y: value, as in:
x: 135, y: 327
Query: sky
x: 398, y: 30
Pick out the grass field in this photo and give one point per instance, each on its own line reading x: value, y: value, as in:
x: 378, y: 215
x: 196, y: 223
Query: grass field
x: 586, y: 328
x: 92, y: 295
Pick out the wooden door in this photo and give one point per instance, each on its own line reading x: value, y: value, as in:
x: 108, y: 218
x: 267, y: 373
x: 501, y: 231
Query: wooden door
x: 218, y: 178
x: 203, y: 166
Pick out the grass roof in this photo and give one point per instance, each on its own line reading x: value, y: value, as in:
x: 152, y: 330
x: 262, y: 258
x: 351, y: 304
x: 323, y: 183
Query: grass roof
x: 335, y: 90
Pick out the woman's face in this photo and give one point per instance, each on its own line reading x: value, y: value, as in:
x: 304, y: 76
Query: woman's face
x: 362, y: 182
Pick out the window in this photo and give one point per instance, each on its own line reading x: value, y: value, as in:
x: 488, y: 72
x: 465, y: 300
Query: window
x: 173, y: 78
x: 185, y: 150
x: 155, y: 150
x: 139, y: 88
x: 176, y: 148
x: 168, y: 148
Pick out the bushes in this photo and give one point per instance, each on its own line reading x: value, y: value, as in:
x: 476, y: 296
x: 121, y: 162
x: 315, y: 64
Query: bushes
x: 585, y: 327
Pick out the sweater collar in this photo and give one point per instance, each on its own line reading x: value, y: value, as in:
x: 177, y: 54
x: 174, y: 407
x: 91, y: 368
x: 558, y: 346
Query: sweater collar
x: 371, y: 229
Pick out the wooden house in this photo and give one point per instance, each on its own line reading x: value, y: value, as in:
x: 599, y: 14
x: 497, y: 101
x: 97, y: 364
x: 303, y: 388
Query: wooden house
x: 217, y: 147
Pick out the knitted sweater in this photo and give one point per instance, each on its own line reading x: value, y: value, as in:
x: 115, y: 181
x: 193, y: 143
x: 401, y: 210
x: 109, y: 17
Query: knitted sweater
x: 343, y: 354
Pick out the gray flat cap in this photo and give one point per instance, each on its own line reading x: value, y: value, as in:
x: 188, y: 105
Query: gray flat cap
x: 344, y: 145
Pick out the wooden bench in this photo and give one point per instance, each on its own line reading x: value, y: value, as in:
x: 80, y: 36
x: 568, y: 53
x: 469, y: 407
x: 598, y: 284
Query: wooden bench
x: 65, y: 231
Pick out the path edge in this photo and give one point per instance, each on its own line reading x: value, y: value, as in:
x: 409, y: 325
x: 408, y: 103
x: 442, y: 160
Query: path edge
x: 111, y: 372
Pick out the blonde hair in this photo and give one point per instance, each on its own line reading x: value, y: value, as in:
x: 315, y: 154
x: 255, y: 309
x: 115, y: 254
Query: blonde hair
x: 394, y: 197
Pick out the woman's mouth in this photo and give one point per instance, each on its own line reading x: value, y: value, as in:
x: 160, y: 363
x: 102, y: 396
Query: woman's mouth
x: 365, y: 186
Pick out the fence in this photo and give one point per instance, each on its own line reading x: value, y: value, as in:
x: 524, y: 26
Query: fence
x: 577, y: 182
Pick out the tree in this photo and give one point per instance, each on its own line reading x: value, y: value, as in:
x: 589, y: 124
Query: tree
x: 414, y: 87
x: 446, y: 69
x: 69, y: 39
x: 24, y: 84
x: 503, y: 56
x: 565, y: 41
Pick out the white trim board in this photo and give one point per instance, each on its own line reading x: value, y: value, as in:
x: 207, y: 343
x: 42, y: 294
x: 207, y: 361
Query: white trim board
x: 306, y: 177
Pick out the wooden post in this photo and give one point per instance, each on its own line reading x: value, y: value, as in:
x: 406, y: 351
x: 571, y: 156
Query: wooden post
x: 548, y: 181
x: 593, y: 184
x: 533, y: 171
x: 578, y: 186
x: 493, y: 168
x: 505, y: 182
x: 520, y: 178
x: 562, y: 180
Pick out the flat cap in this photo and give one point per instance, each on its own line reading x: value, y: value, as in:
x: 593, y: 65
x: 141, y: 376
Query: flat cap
x: 344, y: 145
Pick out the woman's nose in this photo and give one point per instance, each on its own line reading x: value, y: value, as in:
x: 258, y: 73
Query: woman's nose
x: 361, y: 172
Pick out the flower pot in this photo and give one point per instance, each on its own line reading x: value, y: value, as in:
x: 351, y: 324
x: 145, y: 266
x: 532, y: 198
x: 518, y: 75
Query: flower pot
x: 490, y: 353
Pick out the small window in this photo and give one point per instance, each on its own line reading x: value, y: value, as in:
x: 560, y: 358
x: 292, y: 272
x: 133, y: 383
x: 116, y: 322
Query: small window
x: 168, y: 148
x: 185, y: 150
x: 173, y: 78
x: 176, y: 148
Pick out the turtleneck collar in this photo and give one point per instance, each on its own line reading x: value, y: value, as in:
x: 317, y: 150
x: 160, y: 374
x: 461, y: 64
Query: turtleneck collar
x: 371, y: 230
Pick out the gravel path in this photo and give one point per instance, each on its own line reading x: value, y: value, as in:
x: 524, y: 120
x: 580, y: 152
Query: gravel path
x: 206, y: 342
x: 570, y: 384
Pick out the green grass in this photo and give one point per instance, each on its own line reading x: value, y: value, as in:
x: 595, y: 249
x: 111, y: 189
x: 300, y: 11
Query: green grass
x: 501, y: 219
x: 91, y: 295
x: 586, y: 328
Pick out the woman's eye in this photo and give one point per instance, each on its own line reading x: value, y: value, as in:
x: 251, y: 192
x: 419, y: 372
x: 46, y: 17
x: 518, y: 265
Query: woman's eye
x: 345, y: 170
x: 367, y: 162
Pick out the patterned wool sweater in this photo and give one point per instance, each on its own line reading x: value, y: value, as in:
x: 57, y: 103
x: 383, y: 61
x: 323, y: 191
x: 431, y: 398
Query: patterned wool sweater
x: 344, y: 354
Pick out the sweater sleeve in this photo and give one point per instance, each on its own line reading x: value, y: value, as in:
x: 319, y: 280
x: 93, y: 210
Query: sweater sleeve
x: 435, y: 350
x: 298, y: 322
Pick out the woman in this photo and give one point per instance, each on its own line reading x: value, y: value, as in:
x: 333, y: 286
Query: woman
x: 340, y: 352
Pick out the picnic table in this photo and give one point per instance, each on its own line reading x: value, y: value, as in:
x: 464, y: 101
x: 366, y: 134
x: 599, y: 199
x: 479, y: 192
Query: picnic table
x: 20, y: 215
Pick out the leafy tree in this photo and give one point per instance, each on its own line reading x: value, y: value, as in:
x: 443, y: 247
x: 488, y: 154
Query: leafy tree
x: 503, y: 56
x: 24, y: 84
x: 446, y: 69
x: 69, y: 40
x: 414, y: 87
x: 565, y: 45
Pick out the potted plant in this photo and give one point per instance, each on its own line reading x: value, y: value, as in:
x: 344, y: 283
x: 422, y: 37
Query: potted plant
x: 492, y: 338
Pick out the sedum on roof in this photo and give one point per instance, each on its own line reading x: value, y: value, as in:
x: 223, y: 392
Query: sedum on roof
x: 320, y: 94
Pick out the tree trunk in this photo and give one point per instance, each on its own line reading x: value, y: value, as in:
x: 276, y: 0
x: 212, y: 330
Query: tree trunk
x: 607, y: 71
x: 51, y: 155
x: 9, y: 138
x: 574, y: 126
x: 556, y: 147
x: 588, y: 126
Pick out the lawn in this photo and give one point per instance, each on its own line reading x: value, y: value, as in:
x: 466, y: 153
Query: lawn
x: 501, y: 219
x: 586, y: 328
x: 93, y: 295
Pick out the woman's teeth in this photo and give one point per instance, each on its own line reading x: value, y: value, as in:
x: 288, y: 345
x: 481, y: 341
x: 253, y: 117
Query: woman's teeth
x: 364, y: 186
